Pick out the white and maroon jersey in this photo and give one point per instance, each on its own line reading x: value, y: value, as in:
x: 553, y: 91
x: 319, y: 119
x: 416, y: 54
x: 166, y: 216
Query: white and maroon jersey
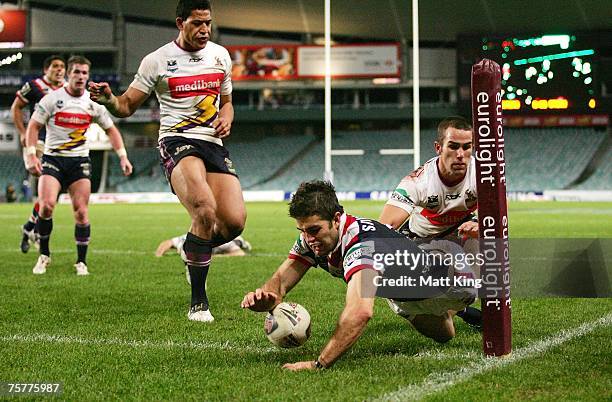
x: 188, y: 86
x: 33, y: 91
x: 359, y: 240
x: 66, y: 119
x: 433, y: 206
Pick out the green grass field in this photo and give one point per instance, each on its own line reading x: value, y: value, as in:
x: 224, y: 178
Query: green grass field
x: 122, y: 332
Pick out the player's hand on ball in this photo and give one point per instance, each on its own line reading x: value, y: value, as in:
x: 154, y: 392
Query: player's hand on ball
x: 222, y: 127
x: 309, y: 365
x: 469, y: 229
x: 100, y: 92
x: 260, y: 300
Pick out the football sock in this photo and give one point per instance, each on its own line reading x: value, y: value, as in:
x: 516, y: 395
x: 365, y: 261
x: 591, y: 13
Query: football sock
x: 31, y: 223
x: 197, y: 254
x: 81, y: 236
x: 218, y: 239
x: 45, y: 226
x: 471, y: 316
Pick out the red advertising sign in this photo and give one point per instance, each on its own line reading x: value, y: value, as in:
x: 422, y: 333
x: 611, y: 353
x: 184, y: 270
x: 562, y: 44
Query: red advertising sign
x: 12, y: 25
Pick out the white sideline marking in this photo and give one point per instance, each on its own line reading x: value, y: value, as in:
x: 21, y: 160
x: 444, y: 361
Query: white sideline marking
x: 437, y: 382
x: 47, y: 338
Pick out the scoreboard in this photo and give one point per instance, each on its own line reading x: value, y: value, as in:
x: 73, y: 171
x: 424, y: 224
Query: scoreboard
x: 541, y: 74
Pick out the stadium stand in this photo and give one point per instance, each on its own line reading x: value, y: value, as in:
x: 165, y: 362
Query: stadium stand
x: 368, y: 172
x: 145, y: 162
x: 537, y: 159
x: 11, y: 170
x: 257, y: 160
x: 548, y: 158
x: 601, y: 179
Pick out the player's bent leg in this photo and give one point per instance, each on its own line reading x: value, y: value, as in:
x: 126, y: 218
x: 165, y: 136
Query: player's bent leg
x: 431, y: 317
x: 439, y: 328
x: 189, y: 183
x: 230, y: 213
x: 80, y: 191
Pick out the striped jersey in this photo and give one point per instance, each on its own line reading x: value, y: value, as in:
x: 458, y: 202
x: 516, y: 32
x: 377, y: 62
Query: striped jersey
x: 32, y: 92
x: 433, y: 206
x: 359, y: 240
x: 67, y: 119
x: 188, y: 86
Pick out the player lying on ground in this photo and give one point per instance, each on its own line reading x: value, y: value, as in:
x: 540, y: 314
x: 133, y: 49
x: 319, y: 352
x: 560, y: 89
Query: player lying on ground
x: 338, y: 243
x: 438, y: 200
x: 235, y: 248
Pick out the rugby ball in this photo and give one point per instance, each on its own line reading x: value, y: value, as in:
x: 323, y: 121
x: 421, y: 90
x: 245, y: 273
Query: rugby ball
x: 288, y: 325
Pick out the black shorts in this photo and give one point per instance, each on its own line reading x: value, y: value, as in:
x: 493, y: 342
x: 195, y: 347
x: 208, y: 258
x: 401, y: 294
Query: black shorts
x: 215, y: 157
x: 67, y: 169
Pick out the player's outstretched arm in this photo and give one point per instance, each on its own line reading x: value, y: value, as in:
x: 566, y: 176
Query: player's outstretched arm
x: 33, y: 163
x: 117, y: 142
x: 272, y: 292
x: 358, y: 310
x: 120, y: 106
x: 164, y: 247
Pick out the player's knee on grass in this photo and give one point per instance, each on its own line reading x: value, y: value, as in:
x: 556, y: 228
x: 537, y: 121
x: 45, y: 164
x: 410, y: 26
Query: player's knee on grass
x: 439, y: 328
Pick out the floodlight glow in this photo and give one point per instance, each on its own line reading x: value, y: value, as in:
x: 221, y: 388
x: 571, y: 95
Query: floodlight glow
x: 586, y: 68
x: 539, y: 59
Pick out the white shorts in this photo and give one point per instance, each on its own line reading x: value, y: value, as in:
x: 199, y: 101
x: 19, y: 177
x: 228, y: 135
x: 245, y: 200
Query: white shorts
x: 455, y: 298
x: 437, y: 306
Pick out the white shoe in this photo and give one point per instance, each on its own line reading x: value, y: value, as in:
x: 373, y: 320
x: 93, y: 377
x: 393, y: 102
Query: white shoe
x: 81, y: 268
x: 197, y: 313
x: 41, y: 265
x: 243, y: 244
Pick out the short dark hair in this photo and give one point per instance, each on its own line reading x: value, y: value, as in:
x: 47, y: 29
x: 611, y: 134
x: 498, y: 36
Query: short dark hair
x: 51, y: 59
x: 77, y: 59
x: 316, y: 197
x: 457, y: 122
x: 185, y: 7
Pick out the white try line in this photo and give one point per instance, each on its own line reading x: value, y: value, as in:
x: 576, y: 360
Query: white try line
x: 437, y: 382
x: 169, y: 344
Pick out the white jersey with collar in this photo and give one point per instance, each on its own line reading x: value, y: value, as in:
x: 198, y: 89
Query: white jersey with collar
x: 66, y: 119
x: 433, y: 206
x: 188, y: 86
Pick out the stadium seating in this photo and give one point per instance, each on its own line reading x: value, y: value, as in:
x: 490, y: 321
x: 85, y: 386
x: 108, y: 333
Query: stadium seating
x: 145, y: 162
x: 547, y: 159
x: 12, y: 170
x: 537, y: 159
x: 601, y: 179
x: 368, y: 172
x: 258, y: 159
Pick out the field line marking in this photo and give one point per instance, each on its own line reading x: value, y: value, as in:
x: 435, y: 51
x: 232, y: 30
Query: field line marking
x: 169, y: 344
x: 437, y: 382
